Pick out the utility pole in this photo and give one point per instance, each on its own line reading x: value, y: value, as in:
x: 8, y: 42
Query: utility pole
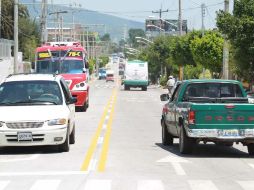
x: 44, y: 10
x: 59, y: 22
x: 160, y: 15
x: 180, y: 28
x: 225, y: 48
x: 203, y: 18
x: 16, y: 35
x: 203, y: 27
x: 180, y: 25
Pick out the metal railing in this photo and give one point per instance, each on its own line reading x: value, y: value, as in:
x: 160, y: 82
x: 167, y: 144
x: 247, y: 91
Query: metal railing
x: 5, y: 48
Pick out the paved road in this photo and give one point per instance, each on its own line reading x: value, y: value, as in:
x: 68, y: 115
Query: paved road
x: 118, y: 147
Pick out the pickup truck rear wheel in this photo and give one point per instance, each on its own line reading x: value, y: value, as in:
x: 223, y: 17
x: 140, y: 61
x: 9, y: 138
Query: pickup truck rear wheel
x: 167, y: 138
x: 185, y: 143
x: 251, y: 149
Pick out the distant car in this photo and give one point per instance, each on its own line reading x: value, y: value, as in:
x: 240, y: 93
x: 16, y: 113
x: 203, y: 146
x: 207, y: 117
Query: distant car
x: 102, y: 73
x: 110, y: 75
x: 36, y: 109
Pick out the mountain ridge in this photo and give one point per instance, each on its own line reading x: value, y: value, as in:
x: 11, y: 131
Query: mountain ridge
x: 115, y: 26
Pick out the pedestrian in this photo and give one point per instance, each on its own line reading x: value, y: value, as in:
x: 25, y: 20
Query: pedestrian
x: 170, y: 83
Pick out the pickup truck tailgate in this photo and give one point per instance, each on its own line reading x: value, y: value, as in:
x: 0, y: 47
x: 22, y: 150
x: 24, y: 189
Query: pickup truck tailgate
x: 226, y: 116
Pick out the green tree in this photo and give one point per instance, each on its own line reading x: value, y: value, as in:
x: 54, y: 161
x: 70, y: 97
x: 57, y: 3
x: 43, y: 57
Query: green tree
x: 106, y: 37
x: 208, y: 51
x: 8, y: 17
x: 238, y: 28
x: 103, y: 61
x: 133, y: 33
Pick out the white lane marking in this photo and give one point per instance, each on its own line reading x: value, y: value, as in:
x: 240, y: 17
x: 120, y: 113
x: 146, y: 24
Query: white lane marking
x: 100, y: 140
x: 175, y: 161
x: 251, y: 165
x: 33, y: 157
x: 92, y: 165
x: 42, y: 173
x: 107, y: 117
x: 3, y: 184
x: 202, y: 184
x: 246, y: 185
x: 98, y: 185
x: 178, y: 168
x: 150, y: 185
x: 104, y: 126
x: 45, y: 184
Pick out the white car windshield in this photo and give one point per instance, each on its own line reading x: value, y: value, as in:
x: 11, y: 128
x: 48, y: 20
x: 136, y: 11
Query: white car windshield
x: 30, y: 93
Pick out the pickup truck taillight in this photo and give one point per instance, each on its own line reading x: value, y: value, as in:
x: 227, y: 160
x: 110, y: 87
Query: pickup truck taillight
x: 165, y: 109
x: 191, y: 117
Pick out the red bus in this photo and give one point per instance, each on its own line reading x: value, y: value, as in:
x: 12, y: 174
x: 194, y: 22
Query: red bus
x: 69, y: 60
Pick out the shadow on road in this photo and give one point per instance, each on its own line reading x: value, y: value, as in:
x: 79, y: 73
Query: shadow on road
x: 207, y: 151
x: 28, y: 150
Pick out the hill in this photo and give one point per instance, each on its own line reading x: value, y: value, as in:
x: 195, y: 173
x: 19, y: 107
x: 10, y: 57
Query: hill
x: 115, y: 26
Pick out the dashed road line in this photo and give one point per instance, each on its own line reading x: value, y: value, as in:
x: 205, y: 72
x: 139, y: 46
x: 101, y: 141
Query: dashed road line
x: 100, y: 139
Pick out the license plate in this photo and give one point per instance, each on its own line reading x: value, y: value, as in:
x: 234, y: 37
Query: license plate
x: 25, y: 136
x: 231, y: 133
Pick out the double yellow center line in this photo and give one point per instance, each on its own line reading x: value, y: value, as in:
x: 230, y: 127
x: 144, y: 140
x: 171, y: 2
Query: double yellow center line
x: 108, y: 111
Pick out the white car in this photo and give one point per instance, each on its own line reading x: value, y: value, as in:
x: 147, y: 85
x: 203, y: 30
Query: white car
x: 36, y: 109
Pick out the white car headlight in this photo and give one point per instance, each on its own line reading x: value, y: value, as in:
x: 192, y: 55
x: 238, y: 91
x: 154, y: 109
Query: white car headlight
x: 60, y: 121
x: 80, y: 86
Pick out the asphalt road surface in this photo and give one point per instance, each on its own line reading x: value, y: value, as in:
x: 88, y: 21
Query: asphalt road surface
x: 118, y: 147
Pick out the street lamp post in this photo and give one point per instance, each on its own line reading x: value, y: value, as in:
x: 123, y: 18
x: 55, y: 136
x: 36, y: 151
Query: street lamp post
x: 144, y: 39
x: 152, y: 25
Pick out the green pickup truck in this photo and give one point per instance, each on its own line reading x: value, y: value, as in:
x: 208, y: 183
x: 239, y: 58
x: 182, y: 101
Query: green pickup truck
x: 208, y: 111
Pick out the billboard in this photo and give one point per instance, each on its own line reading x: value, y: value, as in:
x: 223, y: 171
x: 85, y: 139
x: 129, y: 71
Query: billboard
x: 169, y: 25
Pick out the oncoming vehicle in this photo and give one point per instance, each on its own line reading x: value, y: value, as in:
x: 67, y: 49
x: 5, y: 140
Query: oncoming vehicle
x: 69, y: 60
x: 36, y: 110
x: 102, y: 73
x: 109, y: 75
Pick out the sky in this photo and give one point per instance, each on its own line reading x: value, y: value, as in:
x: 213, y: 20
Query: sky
x: 140, y: 10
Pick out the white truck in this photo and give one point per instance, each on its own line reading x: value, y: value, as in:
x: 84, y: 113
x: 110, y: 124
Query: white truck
x: 136, y: 75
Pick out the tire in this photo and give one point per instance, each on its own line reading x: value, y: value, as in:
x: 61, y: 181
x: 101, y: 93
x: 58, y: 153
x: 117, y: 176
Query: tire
x: 167, y: 138
x: 251, y: 149
x: 126, y: 87
x: 144, y: 88
x: 65, y: 147
x: 72, y: 136
x: 185, y: 143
